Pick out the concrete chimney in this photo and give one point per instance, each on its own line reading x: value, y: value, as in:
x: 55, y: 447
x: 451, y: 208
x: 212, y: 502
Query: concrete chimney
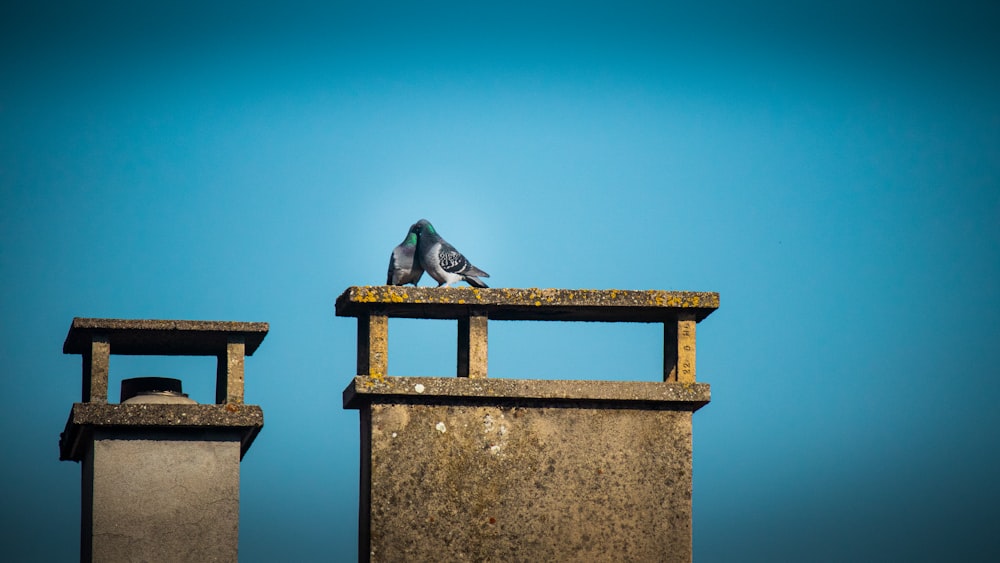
x: 160, y: 473
x: 469, y: 468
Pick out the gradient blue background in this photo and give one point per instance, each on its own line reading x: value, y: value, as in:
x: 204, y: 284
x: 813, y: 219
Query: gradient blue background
x: 833, y: 171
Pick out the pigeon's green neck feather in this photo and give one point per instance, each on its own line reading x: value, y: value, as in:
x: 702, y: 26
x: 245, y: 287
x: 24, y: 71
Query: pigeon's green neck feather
x: 411, y: 239
x: 430, y: 229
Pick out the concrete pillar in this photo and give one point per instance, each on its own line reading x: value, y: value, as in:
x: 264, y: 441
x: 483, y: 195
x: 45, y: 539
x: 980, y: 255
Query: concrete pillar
x: 679, y: 349
x: 229, y: 373
x: 373, y: 343
x: 472, y: 345
x: 160, y: 473
x: 96, y: 361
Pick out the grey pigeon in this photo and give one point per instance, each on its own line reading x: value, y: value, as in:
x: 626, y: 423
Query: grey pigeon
x: 404, y: 266
x: 442, y: 261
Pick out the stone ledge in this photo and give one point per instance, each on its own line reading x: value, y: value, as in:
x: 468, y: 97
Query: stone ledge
x: 246, y: 419
x: 526, y: 304
x: 163, y: 337
x: 364, y: 390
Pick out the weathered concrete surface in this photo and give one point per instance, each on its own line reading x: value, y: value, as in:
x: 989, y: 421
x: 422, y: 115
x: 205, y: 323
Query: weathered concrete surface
x: 242, y: 421
x: 229, y: 342
x: 618, y: 394
x: 160, y: 480
x: 96, y: 363
x: 165, y: 496
x: 518, y: 470
x: 679, y: 311
x: 229, y: 371
x: 472, y: 346
x: 373, y: 344
x: 679, y: 350
x: 610, y: 305
x: 163, y: 337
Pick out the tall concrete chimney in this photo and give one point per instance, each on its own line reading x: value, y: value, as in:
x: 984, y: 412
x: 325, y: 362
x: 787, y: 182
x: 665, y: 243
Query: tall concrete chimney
x: 160, y: 473
x: 478, y: 469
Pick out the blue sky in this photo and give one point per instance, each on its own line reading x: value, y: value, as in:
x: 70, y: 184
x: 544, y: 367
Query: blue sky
x: 833, y: 171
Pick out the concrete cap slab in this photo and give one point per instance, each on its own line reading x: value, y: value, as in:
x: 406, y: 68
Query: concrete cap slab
x: 526, y: 304
x: 244, y: 419
x: 163, y: 337
x: 383, y: 389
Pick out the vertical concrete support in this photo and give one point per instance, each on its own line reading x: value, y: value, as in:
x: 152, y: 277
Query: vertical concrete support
x: 229, y: 373
x: 96, y: 362
x: 679, y: 349
x: 686, y: 348
x: 472, y: 345
x: 373, y: 344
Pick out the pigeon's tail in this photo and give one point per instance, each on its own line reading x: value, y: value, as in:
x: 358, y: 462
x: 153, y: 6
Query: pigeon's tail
x: 475, y: 282
x: 474, y: 271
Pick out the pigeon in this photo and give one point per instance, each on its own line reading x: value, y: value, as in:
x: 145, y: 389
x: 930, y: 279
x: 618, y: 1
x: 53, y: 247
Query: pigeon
x: 442, y: 261
x: 404, y: 266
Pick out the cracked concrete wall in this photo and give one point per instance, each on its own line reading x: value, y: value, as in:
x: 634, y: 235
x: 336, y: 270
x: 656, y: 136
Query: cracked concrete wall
x: 161, y: 496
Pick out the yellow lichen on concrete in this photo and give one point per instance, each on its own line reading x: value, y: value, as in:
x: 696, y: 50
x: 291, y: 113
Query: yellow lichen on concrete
x: 515, y: 303
x: 375, y: 380
x: 366, y: 296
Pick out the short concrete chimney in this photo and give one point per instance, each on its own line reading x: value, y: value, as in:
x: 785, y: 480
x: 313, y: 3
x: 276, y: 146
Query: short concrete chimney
x: 469, y: 468
x: 161, y: 473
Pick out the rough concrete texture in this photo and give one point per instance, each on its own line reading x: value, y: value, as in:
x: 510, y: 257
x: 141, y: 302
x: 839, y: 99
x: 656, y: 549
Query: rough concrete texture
x: 230, y: 372
x: 611, y: 305
x: 473, y: 346
x: 525, y: 470
x: 172, y: 497
x: 96, y: 363
x: 373, y: 344
x: 619, y: 394
x: 242, y: 421
x: 679, y: 350
x: 504, y: 483
x: 163, y: 337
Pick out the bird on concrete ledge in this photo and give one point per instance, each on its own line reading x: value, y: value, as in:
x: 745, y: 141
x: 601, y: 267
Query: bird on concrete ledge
x: 442, y: 261
x: 404, y: 265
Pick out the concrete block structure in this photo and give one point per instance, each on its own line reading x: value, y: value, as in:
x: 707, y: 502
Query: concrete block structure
x: 160, y: 473
x: 469, y: 468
